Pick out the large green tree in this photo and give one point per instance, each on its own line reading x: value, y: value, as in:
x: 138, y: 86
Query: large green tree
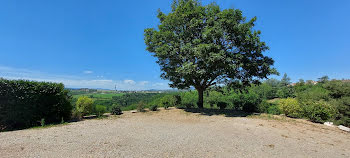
x: 204, y: 46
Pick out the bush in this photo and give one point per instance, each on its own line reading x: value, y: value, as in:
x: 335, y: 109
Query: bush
x: 189, y: 97
x: 168, y: 101
x: 42, y: 122
x: 76, y: 115
x: 273, y: 109
x: 338, y: 89
x: 319, y: 111
x: 263, y: 106
x: 153, y: 107
x: 189, y: 105
x: 165, y: 104
x: 24, y: 103
x: 222, y: 105
x: 211, y: 103
x: 315, y: 93
x: 177, y: 99
x: 84, y: 105
x: 116, y: 110
x: 290, y: 107
x: 343, y: 108
x: 247, y: 101
x: 141, y: 107
x: 100, y: 110
x: 270, y: 108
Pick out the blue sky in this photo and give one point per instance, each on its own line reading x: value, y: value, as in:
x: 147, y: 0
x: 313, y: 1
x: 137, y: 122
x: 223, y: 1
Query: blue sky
x: 99, y: 44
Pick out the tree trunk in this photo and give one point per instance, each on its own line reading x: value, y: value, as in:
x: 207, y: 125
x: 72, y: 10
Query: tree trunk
x: 200, y: 98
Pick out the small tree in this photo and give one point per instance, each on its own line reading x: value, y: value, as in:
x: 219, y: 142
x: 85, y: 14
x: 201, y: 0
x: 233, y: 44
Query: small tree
x: 100, y: 110
x: 202, y: 46
x: 85, y: 105
x: 141, y: 106
x: 116, y: 110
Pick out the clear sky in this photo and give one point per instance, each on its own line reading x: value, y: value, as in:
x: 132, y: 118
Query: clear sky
x: 99, y: 43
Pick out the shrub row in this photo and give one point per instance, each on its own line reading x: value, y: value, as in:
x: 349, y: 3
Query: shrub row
x: 25, y: 104
x: 316, y: 111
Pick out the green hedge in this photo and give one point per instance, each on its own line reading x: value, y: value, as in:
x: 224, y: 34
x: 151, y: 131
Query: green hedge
x: 24, y: 103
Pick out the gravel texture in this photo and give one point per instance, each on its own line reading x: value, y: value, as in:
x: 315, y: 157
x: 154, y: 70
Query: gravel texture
x: 175, y: 133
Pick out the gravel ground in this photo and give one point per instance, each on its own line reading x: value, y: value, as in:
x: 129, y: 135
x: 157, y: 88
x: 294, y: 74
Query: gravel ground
x: 175, y: 133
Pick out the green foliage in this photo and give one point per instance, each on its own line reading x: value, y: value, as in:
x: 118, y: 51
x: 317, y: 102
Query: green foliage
x: 177, y: 100
x: 318, y: 111
x: 290, y: 107
x: 116, y: 110
x: 189, y: 105
x: 215, y: 97
x: 141, y: 106
x: 76, y: 114
x: 24, y: 103
x: 189, y: 54
x: 265, y: 91
x: 343, y: 107
x: 168, y: 101
x: 84, y: 105
x: 100, y: 110
x: 337, y: 89
x: 285, y: 92
x: 273, y: 109
x: 269, y: 107
x: 189, y: 97
x: 42, y: 122
x: 313, y: 93
x: 247, y: 101
x: 222, y: 105
x: 135, y: 98
x: 263, y: 106
x: 153, y: 107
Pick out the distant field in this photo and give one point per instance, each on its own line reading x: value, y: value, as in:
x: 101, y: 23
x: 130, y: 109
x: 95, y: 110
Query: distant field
x: 99, y: 95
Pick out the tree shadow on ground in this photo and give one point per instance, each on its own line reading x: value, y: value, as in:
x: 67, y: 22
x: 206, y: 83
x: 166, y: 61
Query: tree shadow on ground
x: 225, y: 112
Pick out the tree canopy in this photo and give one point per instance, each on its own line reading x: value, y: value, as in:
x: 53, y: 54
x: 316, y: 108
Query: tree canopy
x: 203, y: 46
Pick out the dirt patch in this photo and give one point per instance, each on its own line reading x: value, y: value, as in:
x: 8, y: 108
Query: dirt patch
x: 176, y: 133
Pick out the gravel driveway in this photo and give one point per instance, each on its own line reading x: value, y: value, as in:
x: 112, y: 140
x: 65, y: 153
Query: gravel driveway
x: 175, y: 133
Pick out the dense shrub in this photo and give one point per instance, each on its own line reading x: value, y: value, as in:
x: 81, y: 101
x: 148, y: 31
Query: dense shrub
x: 189, y: 98
x: 100, y: 110
x: 168, y: 101
x: 189, y: 105
x: 76, y: 115
x: 290, y: 107
x: 315, y: 93
x: 273, y: 109
x: 338, y: 89
x: 116, y: 110
x: 211, y: 103
x: 269, y: 107
x: 166, y: 104
x: 285, y: 92
x: 246, y: 101
x: 263, y: 106
x: 318, y: 111
x: 24, y: 103
x: 85, y: 105
x: 178, y: 100
x: 343, y: 108
x: 141, y: 107
x: 222, y: 105
x: 153, y: 107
